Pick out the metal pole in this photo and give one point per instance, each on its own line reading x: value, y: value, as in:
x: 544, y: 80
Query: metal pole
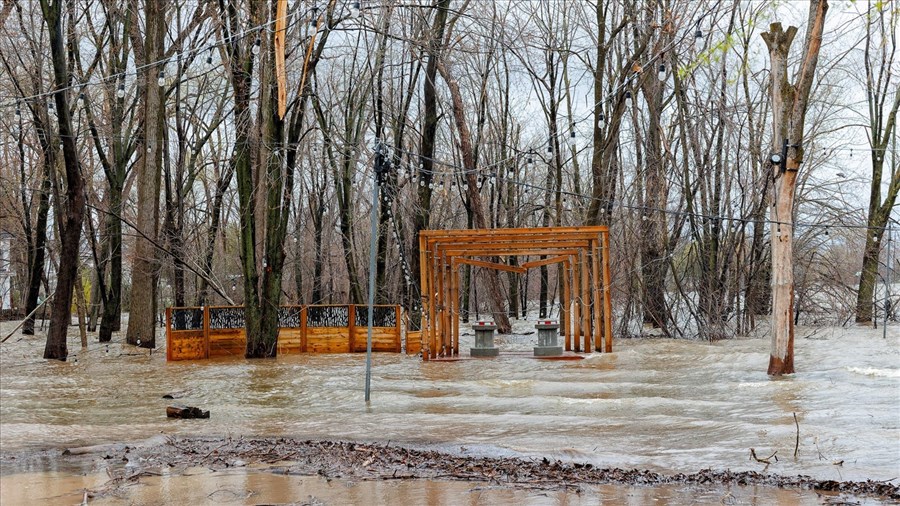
x: 373, y: 247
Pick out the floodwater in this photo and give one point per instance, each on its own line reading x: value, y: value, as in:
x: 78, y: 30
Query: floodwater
x: 664, y: 405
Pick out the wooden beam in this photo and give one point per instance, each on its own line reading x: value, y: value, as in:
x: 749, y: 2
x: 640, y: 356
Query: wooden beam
x: 493, y: 232
x: 490, y: 265
x: 546, y: 261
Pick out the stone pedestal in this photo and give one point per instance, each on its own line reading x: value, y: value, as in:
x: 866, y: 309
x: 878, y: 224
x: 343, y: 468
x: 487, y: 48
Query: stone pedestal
x: 484, y: 340
x: 548, y: 333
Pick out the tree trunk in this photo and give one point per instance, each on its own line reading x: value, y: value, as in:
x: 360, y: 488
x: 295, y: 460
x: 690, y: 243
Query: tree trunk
x: 72, y: 213
x: 113, y: 304
x: 38, y: 254
x: 882, y: 125
x: 429, y: 134
x: 501, y: 317
x: 145, y: 268
x: 789, y: 103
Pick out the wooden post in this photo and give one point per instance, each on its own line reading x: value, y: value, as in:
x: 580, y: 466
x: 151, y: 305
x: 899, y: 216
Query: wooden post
x: 566, y: 271
x: 455, y: 313
x: 351, y: 327
x: 586, y: 301
x: 596, y: 300
x: 607, y: 295
x: 432, y: 310
x: 168, y: 334
x: 304, y: 342
x: 423, y: 299
x: 576, y: 308
x: 206, y: 328
x: 398, y: 336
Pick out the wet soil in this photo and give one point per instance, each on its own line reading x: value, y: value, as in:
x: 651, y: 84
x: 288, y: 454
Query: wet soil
x: 355, y: 461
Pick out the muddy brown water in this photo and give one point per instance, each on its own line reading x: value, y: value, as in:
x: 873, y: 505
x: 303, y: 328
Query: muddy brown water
x: 664, y: 405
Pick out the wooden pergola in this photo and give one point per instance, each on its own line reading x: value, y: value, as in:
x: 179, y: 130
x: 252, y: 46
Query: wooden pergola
x: 582, y: 252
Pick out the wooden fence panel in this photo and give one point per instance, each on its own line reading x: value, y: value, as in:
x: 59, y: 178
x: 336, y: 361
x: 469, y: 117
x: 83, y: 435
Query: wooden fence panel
x: 205, y: 332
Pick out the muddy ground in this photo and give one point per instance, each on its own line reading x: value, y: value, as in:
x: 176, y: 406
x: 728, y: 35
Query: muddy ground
x: 356, y: 461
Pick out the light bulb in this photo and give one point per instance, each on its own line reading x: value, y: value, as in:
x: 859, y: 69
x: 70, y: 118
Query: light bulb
x: 601, y: 118
x: 161, y: 81
x: 662, y: 72
x: 628, y: 97
x: 18, y: 112
x: 209, y: 60
x: 356, y: 11
x: 50, y: 107
x: 121, y: 92
x: 256, y: 45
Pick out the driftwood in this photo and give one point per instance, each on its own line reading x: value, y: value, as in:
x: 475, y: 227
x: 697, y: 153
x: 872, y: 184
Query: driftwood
x: 186, y: 412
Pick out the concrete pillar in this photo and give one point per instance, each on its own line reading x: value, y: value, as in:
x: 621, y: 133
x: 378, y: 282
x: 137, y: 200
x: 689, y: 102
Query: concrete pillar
x: 484, y: 340
x: 548, y: 332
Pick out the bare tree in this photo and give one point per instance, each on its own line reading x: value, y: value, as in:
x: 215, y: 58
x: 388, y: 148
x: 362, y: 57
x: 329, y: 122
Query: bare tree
x: 879, y: 60
x: 789, y: 104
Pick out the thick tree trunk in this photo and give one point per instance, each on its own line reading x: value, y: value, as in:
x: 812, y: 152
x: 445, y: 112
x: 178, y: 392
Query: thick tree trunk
x: 112, y: 307
x: 492, y: 277
x: 72, y: 213
x: 429, y: 134
x: 789, y: 103
x: 145, y: 268
x: 654, y: 265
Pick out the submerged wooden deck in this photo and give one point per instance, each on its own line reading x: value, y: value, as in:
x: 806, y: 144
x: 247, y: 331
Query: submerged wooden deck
x: 196, y: 333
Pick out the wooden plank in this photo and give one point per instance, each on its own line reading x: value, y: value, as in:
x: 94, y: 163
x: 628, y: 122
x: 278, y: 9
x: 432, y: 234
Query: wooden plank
x: 490, y: 265
x: 413, y: 342
x: 546, y: 261
x: 521, y: 251
x: 494, y: 232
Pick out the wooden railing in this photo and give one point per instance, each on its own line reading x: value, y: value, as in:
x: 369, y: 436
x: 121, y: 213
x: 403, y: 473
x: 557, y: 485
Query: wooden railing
x: 194, y: 333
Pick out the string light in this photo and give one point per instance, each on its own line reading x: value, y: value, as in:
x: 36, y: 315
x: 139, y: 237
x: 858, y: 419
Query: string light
x: 121, y: 91
x: 662, y: 72
x: 161, y: 80
x: 256, y: 46
x: 628, y: 98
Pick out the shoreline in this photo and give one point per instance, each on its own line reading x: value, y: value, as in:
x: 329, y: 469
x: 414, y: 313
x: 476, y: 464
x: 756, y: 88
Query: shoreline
x: 365, y: 461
